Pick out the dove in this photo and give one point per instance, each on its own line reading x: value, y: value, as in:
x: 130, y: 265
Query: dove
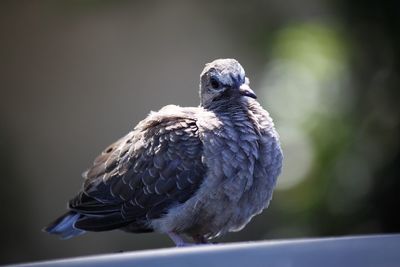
x: 197, y: 172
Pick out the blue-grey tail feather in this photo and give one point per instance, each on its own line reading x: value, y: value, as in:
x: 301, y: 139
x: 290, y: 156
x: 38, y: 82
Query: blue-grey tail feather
x: 64, y: 226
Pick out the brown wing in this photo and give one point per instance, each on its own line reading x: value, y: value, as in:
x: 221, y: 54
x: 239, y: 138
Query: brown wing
x: 139, y: 177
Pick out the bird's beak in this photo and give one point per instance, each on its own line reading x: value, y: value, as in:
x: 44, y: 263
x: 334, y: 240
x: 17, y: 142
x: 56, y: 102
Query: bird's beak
x: 245, y: 90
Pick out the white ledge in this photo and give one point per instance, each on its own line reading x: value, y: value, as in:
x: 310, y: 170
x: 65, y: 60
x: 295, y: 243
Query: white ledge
x: 377, y: 250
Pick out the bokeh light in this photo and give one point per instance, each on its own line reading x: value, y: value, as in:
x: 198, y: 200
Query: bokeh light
x: 303, y: 86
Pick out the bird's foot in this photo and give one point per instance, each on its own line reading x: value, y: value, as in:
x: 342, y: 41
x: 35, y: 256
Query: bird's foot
x: 201, y: 240
x: 178, y: 240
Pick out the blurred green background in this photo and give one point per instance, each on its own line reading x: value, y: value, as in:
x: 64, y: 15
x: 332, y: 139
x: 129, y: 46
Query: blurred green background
x: 77, y: 75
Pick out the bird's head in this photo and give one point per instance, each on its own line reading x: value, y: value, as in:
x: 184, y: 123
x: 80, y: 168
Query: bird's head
x: 223, y: 80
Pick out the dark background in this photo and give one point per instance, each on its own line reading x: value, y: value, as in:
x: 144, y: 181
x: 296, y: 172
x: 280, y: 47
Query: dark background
x: 77, y: 75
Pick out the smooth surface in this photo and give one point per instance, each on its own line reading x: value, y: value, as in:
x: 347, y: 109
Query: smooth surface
x: 383, y: 250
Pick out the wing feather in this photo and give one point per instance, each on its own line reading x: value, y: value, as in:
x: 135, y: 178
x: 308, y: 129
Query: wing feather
x: 139, y: 177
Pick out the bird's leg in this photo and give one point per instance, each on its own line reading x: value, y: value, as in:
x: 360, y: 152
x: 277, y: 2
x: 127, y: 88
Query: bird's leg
x: 178, y: 240
x: 200, y: 239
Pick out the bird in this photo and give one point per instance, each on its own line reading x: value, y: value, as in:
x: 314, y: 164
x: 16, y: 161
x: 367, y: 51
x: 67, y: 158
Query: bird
x: 188, y: 172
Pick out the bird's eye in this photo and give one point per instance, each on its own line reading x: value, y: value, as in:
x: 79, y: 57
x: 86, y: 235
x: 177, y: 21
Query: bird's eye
x: 214, y: 83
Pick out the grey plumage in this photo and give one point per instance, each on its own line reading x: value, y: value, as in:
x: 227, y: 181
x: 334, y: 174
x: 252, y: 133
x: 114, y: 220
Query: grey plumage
x: 201, y: 171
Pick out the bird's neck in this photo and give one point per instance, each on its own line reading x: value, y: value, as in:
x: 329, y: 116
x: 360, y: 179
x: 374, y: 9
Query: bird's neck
x: 236, y: 111
x: 230, y: 106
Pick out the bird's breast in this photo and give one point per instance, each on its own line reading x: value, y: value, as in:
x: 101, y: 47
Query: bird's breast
x: 243, y: 161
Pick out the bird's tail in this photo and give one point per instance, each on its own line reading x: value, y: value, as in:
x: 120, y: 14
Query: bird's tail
x: 64, y: 226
